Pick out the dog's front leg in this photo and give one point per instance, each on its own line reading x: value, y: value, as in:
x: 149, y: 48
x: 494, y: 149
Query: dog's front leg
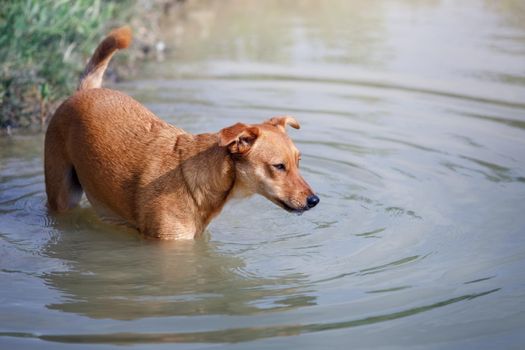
x: 165, y: 225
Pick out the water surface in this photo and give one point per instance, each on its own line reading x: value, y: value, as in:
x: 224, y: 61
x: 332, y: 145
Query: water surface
x: 413, y: 134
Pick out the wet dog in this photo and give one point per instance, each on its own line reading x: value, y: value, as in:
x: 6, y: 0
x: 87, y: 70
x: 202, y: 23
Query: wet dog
x: 137, y: 169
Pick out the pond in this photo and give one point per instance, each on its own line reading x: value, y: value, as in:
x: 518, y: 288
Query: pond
x: 412, y: 133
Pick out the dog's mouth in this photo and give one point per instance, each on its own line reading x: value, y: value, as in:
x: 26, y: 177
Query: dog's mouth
x: 290, y: 209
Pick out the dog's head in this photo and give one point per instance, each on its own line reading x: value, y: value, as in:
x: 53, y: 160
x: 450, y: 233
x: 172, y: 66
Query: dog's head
x: 267, y: 163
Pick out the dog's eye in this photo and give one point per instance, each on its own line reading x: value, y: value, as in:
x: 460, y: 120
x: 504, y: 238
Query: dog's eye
x: 279, y: 166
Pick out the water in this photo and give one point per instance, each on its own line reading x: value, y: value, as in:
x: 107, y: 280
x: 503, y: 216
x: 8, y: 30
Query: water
x: 413, y: 135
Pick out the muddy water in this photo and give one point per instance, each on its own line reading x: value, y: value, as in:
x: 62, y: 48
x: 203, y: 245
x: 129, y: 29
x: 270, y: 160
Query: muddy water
x: 413, y: 134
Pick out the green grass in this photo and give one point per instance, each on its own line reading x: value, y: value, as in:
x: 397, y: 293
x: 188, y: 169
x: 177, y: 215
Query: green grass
x: 44, y: 45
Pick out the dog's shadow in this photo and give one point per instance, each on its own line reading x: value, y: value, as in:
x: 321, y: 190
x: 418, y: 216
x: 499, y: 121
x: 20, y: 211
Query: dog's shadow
x: 114, y: 273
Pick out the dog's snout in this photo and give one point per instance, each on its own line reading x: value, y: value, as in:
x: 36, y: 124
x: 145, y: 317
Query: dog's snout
x: 312, y: 201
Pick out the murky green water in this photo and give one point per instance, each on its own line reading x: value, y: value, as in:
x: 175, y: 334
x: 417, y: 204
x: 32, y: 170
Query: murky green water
x: 413, y: 134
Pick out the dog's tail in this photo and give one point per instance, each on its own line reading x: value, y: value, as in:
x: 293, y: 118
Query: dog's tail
x: 119, y: 38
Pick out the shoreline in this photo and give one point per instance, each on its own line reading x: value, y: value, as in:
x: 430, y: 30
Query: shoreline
x: 37, y: 75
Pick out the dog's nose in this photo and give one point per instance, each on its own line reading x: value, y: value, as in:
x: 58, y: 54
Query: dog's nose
x: 312, y: 201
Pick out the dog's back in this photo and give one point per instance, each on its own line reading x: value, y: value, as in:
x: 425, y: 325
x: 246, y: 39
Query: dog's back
x: 95, y: 136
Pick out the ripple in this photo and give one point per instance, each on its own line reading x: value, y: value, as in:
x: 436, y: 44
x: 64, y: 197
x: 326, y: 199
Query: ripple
x: 371, y: 234
x: 396, y: 263
x: 368, y: 80
x: 490, y: 171
x: 515, y: 123
x: 388, y: 290
x: 480, y: 280
x: 236, y: 335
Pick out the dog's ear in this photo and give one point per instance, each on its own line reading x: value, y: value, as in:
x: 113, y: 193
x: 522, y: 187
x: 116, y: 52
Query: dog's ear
x: 238, y: 138
x: 282, y: 121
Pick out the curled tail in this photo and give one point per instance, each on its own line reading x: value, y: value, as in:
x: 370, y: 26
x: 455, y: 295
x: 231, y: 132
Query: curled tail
x: 119, y: 38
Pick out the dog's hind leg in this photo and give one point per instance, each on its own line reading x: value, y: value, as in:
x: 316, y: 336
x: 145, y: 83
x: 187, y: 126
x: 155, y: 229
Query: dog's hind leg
x: 62, y: 186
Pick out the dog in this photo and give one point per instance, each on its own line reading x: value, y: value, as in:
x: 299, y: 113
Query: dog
x: 139, y: 170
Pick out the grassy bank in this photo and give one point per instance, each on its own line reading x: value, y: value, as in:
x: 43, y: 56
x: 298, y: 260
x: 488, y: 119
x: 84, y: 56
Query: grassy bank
x: 44, y: 45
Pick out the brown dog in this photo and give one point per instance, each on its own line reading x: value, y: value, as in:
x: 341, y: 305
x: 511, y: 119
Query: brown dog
x: 141, y: 171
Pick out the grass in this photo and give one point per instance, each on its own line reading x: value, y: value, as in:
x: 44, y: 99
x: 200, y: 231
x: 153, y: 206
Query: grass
x: 44, y: 45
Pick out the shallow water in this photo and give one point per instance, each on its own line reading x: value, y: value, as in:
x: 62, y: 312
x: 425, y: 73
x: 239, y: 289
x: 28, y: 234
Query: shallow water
x: 413, y: 135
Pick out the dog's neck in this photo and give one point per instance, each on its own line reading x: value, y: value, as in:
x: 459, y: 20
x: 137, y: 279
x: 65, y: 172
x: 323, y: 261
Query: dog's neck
x: 209, y: 174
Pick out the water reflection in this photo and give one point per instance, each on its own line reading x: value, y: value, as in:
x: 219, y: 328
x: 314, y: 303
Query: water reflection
x: 250, y: 334
x: 275, y: 31
x: 176, y: 278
